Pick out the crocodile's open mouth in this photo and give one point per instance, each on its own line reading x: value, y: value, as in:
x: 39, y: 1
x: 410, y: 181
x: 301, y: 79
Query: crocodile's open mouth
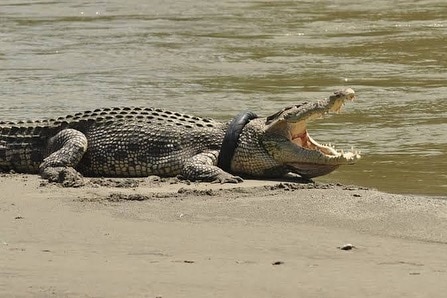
x: 304, y: 140
x: 300, y: 137
x: 325, y: 158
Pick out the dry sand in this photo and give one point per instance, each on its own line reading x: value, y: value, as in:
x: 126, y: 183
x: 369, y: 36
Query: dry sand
x: 149, y: 238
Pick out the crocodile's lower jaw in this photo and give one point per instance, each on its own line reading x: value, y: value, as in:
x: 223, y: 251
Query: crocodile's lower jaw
x: 310, y: 170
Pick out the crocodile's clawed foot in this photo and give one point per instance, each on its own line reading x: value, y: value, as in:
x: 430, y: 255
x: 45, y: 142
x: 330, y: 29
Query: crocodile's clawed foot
x: 66, y: 176
x: 227, y: 178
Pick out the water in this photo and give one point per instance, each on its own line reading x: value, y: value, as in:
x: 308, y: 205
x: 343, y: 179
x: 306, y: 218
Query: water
x: 215, y: 58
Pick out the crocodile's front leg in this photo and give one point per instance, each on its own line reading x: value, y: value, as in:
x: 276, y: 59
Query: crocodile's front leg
x: 65, y: 150
x: 202, y: 167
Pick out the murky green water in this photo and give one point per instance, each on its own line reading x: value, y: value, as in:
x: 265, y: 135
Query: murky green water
x: 216, y: 58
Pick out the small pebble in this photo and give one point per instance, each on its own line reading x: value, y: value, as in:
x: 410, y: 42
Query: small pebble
x: 347, y: 246
x: 278, y: 263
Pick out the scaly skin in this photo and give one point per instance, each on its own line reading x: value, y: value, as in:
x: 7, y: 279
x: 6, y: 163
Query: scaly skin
x: 136, y: 142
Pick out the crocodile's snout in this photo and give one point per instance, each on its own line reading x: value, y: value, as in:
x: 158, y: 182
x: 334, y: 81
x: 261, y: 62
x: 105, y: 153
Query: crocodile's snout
x: 300, y: 151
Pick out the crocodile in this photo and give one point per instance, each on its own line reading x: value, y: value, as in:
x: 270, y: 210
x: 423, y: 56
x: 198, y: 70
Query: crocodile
x: 143, y: 141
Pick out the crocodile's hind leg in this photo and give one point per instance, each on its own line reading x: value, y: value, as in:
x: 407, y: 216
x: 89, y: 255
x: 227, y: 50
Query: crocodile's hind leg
x: 65, y: 151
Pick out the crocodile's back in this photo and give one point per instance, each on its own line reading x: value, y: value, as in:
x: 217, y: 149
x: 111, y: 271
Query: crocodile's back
x: 124, y: 141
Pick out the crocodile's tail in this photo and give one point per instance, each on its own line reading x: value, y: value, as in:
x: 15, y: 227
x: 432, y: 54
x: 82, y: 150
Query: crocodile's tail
x: 21, y: 149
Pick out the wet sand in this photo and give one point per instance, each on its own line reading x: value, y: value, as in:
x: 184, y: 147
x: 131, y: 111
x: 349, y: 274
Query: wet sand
x: 168, y: 238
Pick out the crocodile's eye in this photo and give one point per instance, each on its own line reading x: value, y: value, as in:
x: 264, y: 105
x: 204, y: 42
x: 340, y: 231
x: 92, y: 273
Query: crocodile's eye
x: 284, y: 112
x: 276, y: 115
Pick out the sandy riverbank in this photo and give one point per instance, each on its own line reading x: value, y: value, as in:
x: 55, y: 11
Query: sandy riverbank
x: 148, y: 238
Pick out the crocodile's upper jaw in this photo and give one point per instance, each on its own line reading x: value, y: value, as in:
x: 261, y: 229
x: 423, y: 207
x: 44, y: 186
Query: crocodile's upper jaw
x: 298, y: 151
